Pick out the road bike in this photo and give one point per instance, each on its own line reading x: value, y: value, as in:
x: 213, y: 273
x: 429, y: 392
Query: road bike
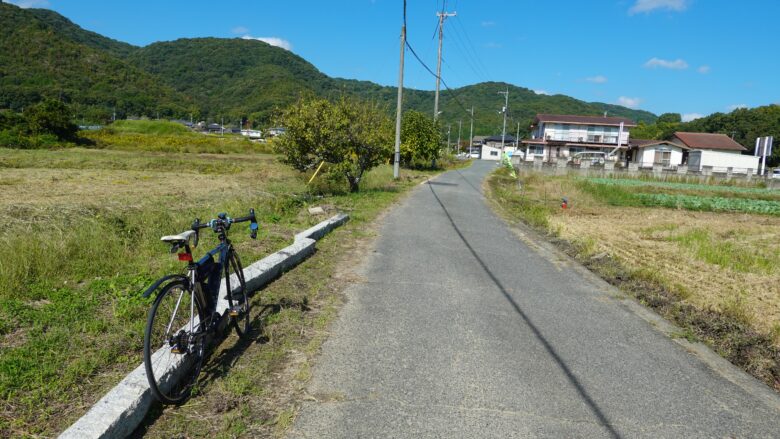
x: 185, y: 311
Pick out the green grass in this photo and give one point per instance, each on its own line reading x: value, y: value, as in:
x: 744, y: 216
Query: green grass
x: 156, y: 127
x: 682, y: 186
x: 74, y: 265
x: 632, y: 195
x: 163, y: 136
x: 519, y: 204
x: 724, y: 253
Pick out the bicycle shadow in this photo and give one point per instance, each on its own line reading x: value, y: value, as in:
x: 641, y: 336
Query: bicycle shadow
x: 218, y: 366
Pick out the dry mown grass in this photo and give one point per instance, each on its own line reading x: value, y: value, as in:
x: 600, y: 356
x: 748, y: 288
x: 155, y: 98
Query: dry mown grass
x: 715, y: 274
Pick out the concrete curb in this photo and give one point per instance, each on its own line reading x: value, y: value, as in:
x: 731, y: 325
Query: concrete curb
x: 118, y: 413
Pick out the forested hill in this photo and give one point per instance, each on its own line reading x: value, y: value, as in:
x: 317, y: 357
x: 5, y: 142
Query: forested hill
x: 45, y: 55
x: 248, y: 78
x: 52, y: 58
x: 745, y: 124
x: 73, y: 32
x: 232, y: 77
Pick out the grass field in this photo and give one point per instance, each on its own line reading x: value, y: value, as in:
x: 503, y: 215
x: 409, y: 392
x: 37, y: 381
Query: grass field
x: 164, y: 136
x: 714, y: 269
x: 80, y: 243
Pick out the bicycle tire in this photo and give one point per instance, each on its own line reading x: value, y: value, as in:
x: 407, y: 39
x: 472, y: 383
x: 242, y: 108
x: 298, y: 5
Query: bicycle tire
x: 163, y: 325
x: 238, y: 296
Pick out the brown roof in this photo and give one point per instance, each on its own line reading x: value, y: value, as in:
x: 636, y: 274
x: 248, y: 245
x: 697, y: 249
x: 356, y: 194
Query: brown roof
x: 641, y: 143
x: 709, y: 141
x: 584, y: 120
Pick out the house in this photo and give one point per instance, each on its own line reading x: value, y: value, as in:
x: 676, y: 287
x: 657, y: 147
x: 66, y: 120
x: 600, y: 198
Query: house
x: 214, y: 128
x: 560, y: 135
x: 276, y: 131
x: 252, y: 134
x: 716, y: 150
x: 656, y: 152
x: 492, y: 147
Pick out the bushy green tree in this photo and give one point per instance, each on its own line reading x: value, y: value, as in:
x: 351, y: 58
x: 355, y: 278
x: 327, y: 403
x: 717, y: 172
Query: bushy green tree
x: 420, y: 139
x: 669, y: 118
x: 50, y: 117
x: 352, y: 136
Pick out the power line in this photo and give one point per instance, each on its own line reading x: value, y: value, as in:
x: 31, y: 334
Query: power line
x: 471, y: 45
x: 469, y: 53
x: 454, y: 94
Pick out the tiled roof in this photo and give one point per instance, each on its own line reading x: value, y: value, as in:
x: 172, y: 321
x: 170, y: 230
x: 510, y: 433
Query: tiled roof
x: 641, y: 143
x: 709, y: 141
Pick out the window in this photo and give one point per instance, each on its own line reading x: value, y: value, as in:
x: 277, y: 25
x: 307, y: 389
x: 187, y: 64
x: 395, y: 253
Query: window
x: 575, y: 150
x: 494, y: 153
x: 535, y: 150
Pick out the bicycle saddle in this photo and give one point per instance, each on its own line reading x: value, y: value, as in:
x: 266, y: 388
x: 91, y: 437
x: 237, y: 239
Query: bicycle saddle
x: 182, y: 238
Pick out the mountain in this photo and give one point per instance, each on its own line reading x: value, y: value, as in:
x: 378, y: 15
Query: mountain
x: 237, y: 78
x: 231, y: 77
x: 43, y: 55
x: 73, y: 32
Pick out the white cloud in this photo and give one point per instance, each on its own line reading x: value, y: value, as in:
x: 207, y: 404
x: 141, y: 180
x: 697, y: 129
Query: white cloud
x: 598, y: 79
x: 703, y: 70
x: 541, y: 92
x: 239, y: 30
x: 647, y: 6
x: 29, y: 3
x: 488, y: 23
x: 687, y: 117
x: 736, y: 106
x: 274, y: 41
x: 678, y: 64
x: 629, y: 102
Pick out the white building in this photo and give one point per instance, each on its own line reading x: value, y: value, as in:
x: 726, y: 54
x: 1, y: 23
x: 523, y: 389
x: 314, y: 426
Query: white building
x: 656, y: 152
x: 492, y: 148
x: 716, y: 150
x: 560, y: 135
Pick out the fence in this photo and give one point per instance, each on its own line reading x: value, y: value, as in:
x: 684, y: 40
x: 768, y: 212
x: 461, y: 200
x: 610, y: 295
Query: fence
x: 650, y: 170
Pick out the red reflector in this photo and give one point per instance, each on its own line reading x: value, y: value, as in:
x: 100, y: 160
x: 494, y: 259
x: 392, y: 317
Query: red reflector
x: 185, y: 256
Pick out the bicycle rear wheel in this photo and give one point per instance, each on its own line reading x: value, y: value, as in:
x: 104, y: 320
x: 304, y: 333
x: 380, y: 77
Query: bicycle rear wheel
x: 174, y: 343
x: 237, y: 294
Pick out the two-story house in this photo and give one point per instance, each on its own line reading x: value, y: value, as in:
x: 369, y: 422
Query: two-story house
x: 559, y: 135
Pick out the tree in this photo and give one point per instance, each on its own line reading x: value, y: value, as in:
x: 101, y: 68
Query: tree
x: 669, y: 118
x: 50, y: 117
x: 353, y: 136
x: 420, y: 139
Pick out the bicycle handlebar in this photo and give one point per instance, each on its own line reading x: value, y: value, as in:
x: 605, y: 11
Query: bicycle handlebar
x: 225, y: 221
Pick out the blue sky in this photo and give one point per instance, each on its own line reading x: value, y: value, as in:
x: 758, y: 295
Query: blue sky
x: 693, y: 57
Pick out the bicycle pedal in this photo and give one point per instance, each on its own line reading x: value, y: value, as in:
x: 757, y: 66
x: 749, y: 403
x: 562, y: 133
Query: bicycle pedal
x: 234, y: 312
x: 176, y: 350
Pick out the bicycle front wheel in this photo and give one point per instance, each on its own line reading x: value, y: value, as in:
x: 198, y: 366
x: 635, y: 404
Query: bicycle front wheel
x: 174, y: 343
x: 237, y: 294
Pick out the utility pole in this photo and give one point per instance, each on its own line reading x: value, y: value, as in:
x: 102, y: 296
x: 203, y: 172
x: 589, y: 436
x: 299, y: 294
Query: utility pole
x: 442, y: 16
x: 506, y: 108
x: 471, y: 131
x: 397, y: 154
x: 517, y: 137
x: 460, y: 123
x: 448, y: 138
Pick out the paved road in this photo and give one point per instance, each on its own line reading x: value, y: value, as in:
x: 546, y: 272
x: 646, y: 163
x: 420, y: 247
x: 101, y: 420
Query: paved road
x: 460, y: 329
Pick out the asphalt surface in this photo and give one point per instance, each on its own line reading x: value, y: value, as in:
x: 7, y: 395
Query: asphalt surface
x: 460, y: 329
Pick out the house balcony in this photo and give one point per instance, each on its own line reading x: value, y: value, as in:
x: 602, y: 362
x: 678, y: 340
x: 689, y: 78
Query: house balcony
x: 591, y: 138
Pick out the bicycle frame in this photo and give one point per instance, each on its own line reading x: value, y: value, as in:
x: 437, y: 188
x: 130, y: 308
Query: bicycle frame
x: 207, y: 272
